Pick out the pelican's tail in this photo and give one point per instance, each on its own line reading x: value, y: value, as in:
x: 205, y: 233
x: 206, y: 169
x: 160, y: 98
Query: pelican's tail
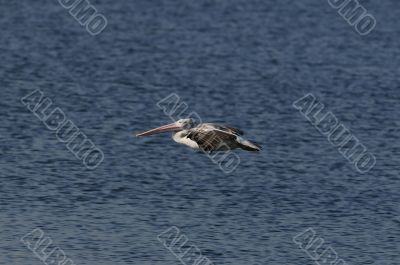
x: 249, y: 146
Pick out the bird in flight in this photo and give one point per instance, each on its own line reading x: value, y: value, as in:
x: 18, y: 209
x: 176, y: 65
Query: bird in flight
x: 207, y: 137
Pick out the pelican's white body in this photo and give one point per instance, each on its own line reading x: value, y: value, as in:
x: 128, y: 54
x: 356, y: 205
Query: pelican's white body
x: 180, y: 137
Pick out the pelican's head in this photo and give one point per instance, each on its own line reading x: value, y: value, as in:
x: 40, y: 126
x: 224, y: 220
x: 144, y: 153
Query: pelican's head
x: 185, y: 123
x: 182, y: 124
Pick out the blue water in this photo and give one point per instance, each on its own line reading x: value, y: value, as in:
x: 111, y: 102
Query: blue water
x: 239, y: 62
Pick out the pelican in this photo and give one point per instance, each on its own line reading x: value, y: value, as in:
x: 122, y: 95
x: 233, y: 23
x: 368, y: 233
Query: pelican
x: 207, y: 137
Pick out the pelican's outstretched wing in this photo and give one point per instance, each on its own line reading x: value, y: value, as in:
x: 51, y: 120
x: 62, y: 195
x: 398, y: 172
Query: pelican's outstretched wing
x: 209, y: 138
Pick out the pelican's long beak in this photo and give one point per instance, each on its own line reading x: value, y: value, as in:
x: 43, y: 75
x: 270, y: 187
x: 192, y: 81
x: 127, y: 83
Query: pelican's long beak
x: 165, y: 128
